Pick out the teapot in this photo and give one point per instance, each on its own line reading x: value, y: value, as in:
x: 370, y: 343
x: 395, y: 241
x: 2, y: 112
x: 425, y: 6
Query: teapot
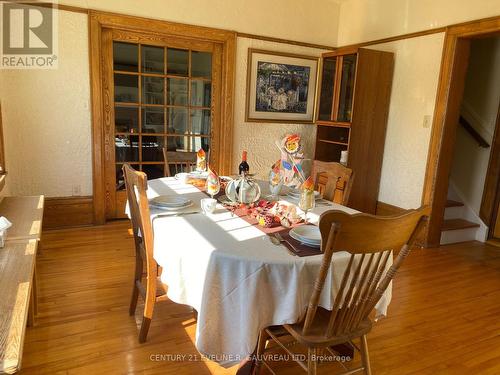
x: 243, y: 190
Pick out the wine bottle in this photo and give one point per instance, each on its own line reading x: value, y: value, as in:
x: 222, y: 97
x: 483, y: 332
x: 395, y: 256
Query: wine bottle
x: 243, y: 167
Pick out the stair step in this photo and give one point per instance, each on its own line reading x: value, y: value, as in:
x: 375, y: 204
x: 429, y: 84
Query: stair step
x: 452, y: 203
x: 455, y: 224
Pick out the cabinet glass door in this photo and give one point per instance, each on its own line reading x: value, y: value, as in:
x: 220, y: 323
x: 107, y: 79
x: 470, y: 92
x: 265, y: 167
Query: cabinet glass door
x: 327, y: 89
x: 346, y: 94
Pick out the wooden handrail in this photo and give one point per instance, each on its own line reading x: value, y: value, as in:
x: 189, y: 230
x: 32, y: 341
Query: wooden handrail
x: 473, y: 132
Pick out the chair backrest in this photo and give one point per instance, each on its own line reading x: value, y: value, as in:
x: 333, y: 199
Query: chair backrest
x: 136, y: 185
x: 180, y: 161
x: 332, y: 180
x: 370, y: 240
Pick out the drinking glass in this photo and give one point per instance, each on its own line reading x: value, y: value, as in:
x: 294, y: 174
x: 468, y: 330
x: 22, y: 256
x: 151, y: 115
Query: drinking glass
x: 275, y: 184
x: 213, y: 185
x: 306, y: 201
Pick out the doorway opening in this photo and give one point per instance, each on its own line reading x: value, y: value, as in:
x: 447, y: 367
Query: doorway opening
x: 443, y: 146
x: 470, y: 203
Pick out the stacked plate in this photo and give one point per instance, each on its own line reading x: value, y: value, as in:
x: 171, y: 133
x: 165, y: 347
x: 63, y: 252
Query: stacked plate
x: 170, y: 202
x: 295, y: 194
x: 197, y: 174
x: 307, y: 234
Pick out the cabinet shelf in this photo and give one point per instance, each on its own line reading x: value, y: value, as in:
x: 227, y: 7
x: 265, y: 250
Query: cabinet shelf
x: 333, y: 142
x: 334, y: 124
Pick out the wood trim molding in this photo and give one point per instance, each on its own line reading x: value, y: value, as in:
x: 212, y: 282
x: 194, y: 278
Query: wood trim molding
x: 453, y: 28
x: 453, y: 64
x: 63, y: 212
x: 386, y: 209
x: 224, y: 41
x: 68, y: 8
x: 492, y: 181
x: 394, y: 38
x: 284, y: 41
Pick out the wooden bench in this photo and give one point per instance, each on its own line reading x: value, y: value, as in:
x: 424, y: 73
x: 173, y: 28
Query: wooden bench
x: 18, y: 292
x: 26, y: 216
x: 17, y: 267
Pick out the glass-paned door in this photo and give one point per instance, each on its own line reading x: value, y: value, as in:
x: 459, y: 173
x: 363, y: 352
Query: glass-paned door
x: 162, y: 97
x: 344, y: 113
x: 327, y: 89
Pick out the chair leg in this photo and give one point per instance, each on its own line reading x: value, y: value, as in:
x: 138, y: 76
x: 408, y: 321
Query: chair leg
x: 149, y: 304
x: 195, y: 314
x: 143, y: 333
x: 365, y: 357
x: 311, y: 361
x: 261, y: 347
x: 135, y: 291
x: 133, y: 300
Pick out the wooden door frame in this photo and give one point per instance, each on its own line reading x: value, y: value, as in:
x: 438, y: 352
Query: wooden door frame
x: 222, y: 139
x: 491, y: 193
x: 445, y: 122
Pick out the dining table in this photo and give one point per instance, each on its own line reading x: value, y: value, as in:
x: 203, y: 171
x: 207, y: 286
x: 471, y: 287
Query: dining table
x: 230, y: 272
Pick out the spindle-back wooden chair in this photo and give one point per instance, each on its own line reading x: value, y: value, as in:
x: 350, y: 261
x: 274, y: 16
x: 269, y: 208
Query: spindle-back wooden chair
x: 371, y: 241
x: 333, y: 180
x: 153, y: 291
x: 180, y: 161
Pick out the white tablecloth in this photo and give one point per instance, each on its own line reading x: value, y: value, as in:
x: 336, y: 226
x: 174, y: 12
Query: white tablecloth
x: 235, y: 278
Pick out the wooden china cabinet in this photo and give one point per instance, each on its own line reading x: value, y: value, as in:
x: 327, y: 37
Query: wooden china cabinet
x: 352, y: 115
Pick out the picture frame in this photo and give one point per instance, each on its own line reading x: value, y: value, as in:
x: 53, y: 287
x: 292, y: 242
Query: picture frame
x: 281, y: 87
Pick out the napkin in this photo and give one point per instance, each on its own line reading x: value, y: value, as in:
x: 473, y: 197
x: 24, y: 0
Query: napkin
x: 4, y: 225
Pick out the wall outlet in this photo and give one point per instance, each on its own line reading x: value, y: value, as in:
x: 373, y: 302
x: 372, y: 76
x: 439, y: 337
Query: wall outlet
x: 427, y: 121
x: 76, y: 190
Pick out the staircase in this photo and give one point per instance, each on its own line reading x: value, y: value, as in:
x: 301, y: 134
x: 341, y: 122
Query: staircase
x: 455, y: 228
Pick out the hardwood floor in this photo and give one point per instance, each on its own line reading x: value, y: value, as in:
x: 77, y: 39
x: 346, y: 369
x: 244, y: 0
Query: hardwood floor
x: 444, y: 317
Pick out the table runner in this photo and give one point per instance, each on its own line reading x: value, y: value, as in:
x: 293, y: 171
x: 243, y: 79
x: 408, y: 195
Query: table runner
x: 296, y: 247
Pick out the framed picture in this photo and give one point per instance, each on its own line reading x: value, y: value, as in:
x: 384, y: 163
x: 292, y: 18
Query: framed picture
x: 281, y: 87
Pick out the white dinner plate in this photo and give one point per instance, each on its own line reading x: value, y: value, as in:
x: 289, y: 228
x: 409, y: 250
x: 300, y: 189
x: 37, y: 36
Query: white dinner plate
x: 197, y: 174
x: 172, y: 208
x: 307, y: 233
x: 303, y: 241
x: 181, y: 176
x: 170, y: 201
x: 296, y: 195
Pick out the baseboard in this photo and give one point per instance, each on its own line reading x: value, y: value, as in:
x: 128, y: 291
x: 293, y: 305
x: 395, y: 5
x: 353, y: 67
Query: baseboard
x: 63, y: 212
x: 386, y: 209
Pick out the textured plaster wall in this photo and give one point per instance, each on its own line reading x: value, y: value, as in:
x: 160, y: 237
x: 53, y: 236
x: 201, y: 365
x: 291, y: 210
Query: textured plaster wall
x: 47, y: 119
x: 416, y: 72
x: 362, y: 20
x: 259, y: 138
x: 308, y: 21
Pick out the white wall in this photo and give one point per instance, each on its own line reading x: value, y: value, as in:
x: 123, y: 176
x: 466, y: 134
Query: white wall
x: 308, y: 21
x: 363, y: 20
x: 416, y: 70
x: 480, y: 102
x: 47, y: 119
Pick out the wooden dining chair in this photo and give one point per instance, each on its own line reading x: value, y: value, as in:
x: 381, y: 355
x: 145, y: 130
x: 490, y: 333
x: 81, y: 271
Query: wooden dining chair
x: 180, y: 161
x: 371, y: 241
x: 151, y: 290
x: 332, y: 180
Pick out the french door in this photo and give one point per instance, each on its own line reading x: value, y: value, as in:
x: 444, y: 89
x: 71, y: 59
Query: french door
x: 162, y: 92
